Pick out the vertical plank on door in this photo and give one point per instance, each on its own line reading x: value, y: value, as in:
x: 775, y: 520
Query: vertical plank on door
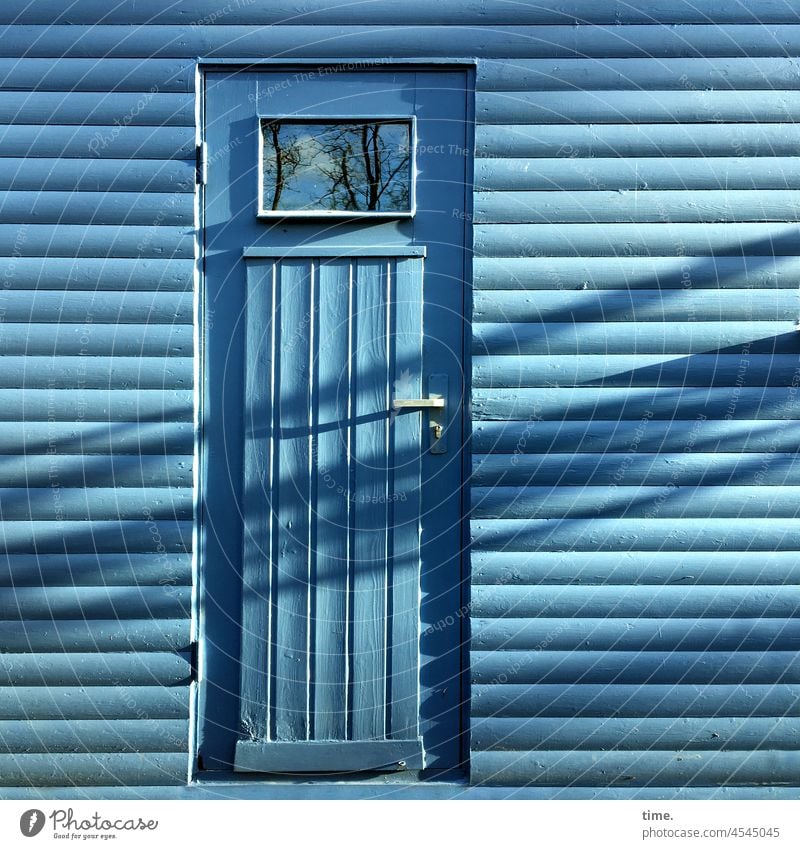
x: 403, y: 697
x: 370, y: 499
x: 331, y: 511
x: 292, y: 553
x: 256, y: 497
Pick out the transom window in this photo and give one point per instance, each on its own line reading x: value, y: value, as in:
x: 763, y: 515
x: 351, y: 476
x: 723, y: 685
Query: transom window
x: 347, y: 167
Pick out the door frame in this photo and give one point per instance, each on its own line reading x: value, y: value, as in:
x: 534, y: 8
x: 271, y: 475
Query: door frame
x: 462, y: 615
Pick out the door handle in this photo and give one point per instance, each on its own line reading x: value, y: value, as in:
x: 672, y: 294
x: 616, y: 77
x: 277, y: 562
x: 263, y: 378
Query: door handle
x: 418, y: 403
x: 437, y: 392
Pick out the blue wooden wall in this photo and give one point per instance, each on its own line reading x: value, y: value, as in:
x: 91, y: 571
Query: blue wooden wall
x: 96, y: 418
x: 635, y: 379
x: 635, y: 374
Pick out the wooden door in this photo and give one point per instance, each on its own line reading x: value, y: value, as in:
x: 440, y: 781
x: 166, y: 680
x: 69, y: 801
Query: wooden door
x: 337, y: 510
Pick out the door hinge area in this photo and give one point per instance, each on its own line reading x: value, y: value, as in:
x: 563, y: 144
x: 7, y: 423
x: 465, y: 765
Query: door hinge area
x: 193, y: 660
x: 200, y: 164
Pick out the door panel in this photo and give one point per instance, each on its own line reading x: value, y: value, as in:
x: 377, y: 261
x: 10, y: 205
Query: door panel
x: 331, y: 566
x: 332, y: 533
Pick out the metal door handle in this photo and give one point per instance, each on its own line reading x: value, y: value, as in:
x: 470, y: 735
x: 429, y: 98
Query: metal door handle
x: 437, y: 390
x: 418, y: 403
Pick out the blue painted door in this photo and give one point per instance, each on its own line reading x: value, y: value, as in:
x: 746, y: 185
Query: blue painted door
x: 331, y: 543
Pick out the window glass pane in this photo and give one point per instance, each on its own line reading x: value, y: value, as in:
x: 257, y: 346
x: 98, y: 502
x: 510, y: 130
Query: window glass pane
x: 347, y: 166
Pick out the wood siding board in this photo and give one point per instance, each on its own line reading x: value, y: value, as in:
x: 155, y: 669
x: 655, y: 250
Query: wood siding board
x: 66, y: 372
x: 332, y: 516
x: 636, y: 635
x: 292, y: 515
x: 773, y: 403
x: 347, y: 41
x: 96, y: 405
x: 257, y: 540
x: 132, y: 109
x: 97, y: 142
x: 99, y: 240
x: 152, y: 470
x: 612, y: 207
x: 613, y: 667
x: 97, y: 702
x: 641, y: 239
x: 506, y: 371
x: 636, y: 700
x: 89, y: 208
x: 101, y: 536
x: 57, y: 737
x: 21, y: 174
x: 373, y: 300
x: 631, y: 107
x: 164, y: 341
x: 33, y: 603
x: 610, y: 338
x: 95, y: 669
x: 566, y: 602
x: 744, y: 73
x: 86, y: 635
x: 96, y: 769
x: 572, y: 141
x: 635, y: 568
x: 637, y: 769
x: 82, y: 570
x: 602, y: 534
x: 90, y: 308
x: 533, y: 501
x: 634, y: 273
x: 599, y: 436
x: 97, y: 275
x: 84, y: 75
x: 642, y: 175
x: 406, y: 508
x: 565, y: 734
x: 319, y: 13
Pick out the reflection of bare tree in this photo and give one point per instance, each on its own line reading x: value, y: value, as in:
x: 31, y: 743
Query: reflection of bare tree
x: 287, y: 159
x: 360, y: 180
x: 346, y: 166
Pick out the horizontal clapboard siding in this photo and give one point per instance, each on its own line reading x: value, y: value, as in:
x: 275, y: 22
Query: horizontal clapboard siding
x: 629, y: 174
x: 97, y: 175
x: 635, y: 229
x: 97, y: 221
x: 90, y: 569
x: 648, y: 272
x: 623, y: 107
x: 739, y: 74
x: 134, y: 109
x: 348, y: 40
x: 518, y: 140
x: 319, y: 12
x: 637, y: 769
x: 108, y: 207
x: 746, y: 568
x: 96, y: 274
x: 635, y: 374
x: 110, y: 75
x: 115, y: 141
x: 614, y: 207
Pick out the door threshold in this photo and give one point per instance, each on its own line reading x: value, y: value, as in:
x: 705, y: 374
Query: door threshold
x: 415, y: 778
